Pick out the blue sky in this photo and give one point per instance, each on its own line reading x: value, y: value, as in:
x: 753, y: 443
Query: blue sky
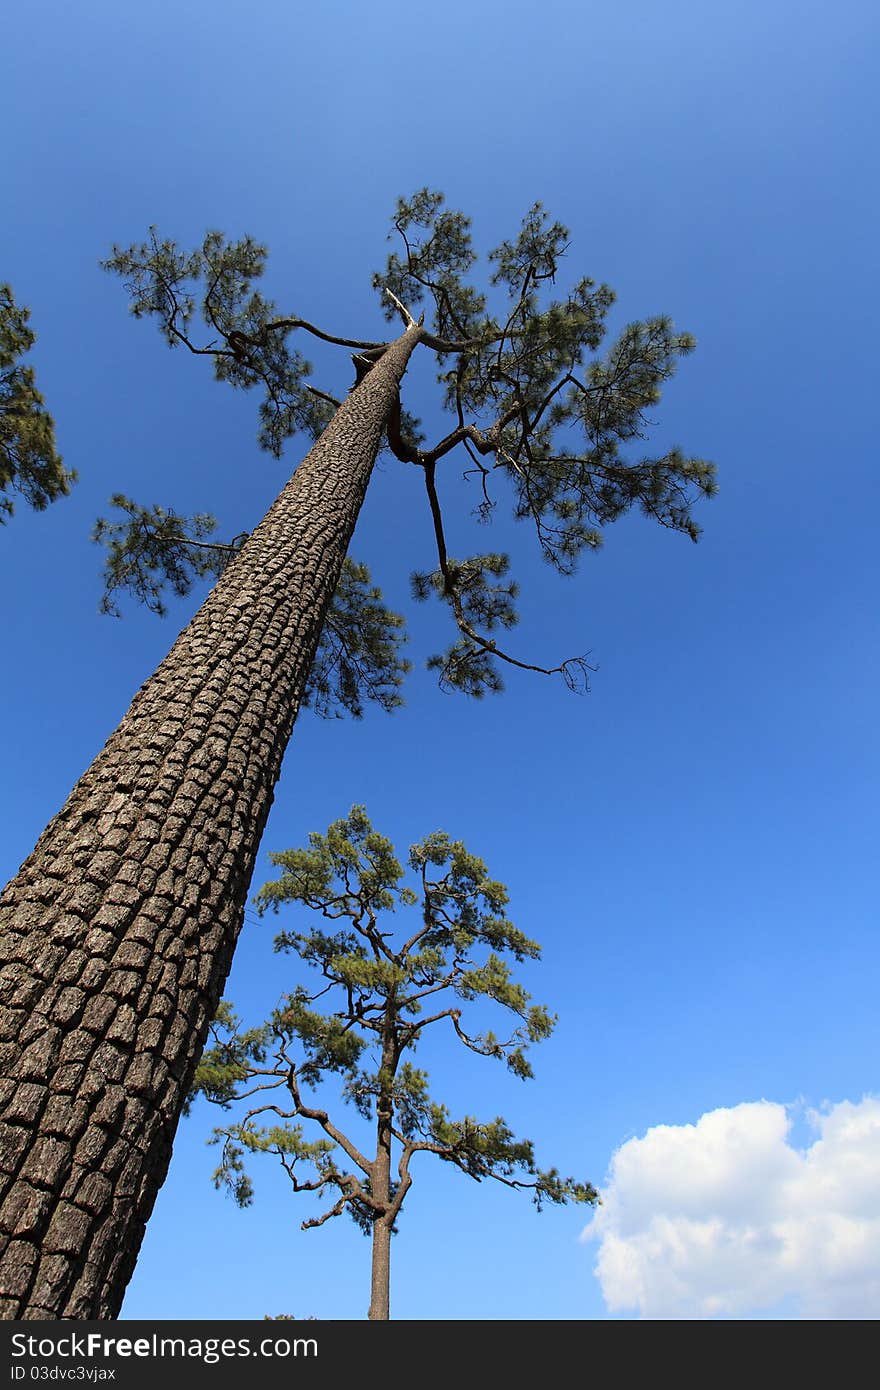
x: 694, y: 843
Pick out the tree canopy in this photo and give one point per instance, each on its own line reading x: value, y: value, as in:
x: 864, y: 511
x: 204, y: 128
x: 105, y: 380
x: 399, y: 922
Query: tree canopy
x: 542, y: 417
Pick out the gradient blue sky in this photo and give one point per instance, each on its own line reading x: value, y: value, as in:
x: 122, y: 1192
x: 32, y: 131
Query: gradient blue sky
x: 695, y: 842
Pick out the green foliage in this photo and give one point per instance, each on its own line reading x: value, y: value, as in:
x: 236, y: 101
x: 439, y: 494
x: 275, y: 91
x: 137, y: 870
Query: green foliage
x: 151, y: 549
x: 229, y: 1056
x: 492, y: 1151
x: 490, y: 605
x: 328, y: 1041
x: 524, y: 378
x: 543, y: 414
x: 285, y: 1141
x: 359, y: 657
x: 434, y: 265
x: 377, y: 996
x: 162, y: 281
x: 470, y: 665
x: 350, y: 872
x: 29, y: 462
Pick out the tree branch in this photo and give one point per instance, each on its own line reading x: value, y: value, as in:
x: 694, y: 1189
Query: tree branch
x: 405, y: 314
x: 401, y: 448
x: 566, y: 669
x: 323, y: 1119
x: 336, y: 1210
x: 288, y: 325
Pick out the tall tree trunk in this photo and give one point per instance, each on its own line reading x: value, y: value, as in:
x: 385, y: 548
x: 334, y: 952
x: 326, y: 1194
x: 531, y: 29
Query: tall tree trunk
x: 117, y: 934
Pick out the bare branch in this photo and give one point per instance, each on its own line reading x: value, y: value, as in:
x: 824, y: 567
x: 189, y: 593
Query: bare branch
x: 405, y: 314
x: 288, y: 325
x: 335, y: 1210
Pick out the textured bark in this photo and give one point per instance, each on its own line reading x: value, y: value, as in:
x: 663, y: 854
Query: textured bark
x: 117, y: 935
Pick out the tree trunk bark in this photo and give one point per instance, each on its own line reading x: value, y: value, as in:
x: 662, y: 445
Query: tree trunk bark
x: 117, y: 934
x: 380, y: 1186
x: 380, y: 1305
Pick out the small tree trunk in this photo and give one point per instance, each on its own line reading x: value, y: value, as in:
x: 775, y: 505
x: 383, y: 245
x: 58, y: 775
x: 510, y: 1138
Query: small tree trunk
x: 380, y: 1183
x: 380, y: 1285
x: 117, y: 935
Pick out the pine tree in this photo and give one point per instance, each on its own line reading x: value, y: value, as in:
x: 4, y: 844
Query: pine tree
x: 117, y: 934
x: 30, y: 465
x: 379, y: 995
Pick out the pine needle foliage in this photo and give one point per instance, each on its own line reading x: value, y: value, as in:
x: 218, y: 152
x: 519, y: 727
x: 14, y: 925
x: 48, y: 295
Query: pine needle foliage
x: 540, y: 414
x: 30, y: 464
x: 378, y: 991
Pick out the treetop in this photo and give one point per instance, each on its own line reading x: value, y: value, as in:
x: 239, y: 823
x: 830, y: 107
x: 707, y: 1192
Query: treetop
x: 539, y: 413
x: 377, y: 995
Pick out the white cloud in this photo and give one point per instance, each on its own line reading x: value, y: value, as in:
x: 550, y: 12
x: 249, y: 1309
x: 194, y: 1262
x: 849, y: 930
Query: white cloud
x: 727, y: 1218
